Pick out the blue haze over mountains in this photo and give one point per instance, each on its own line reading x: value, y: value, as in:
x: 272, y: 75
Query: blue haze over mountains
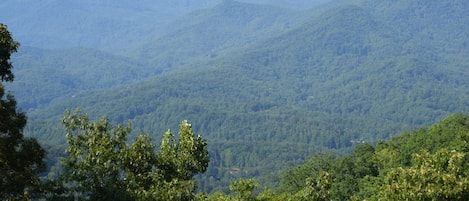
x: 267, y: 84
x: 105, y: 25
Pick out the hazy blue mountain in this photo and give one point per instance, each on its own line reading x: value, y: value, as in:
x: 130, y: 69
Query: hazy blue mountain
x: 107, y: 25
x: 209, y: 33
x: 300, y: 4
x: 61, y: 73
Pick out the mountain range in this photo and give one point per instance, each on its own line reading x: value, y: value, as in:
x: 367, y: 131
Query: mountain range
x: 105, y: 25
x: 267, y: 86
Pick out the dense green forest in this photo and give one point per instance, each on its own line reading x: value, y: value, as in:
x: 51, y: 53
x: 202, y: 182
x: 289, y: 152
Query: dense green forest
x: 268, y: 88
x: 425, y: 164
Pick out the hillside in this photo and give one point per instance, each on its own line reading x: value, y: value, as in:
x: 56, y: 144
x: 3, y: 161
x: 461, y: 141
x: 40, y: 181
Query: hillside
x: 105, y: 25
x: 361, y: 72
x: 47, y: 75
x: 356, y: 63
x: 206, y: 34
x: 55, y: 74
x: 425, y: 164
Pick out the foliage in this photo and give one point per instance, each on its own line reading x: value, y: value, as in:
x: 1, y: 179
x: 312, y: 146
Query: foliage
x: 101, y: 165
x: 21, y: 158
x: 439, y: 176
x: 293, y: 180
x: 243, y: 189
x: 436, y: 170
x: 7, y: 46
x: 317, y: 189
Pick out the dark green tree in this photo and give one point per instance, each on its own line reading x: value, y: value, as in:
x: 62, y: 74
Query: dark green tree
x: 21, y: 159
x: 7, y: 47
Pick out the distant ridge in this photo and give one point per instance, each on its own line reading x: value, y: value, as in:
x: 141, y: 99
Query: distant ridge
x: 208, y: 33
x: 105, y: 25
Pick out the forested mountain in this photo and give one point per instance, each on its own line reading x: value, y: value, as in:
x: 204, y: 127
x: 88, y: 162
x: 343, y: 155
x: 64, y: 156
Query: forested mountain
x: 357, y: 55
x: 359, y: 71
x: 105, y: 25
x: 201, y: 35
x: 208, y: 33
x: 48, y: 75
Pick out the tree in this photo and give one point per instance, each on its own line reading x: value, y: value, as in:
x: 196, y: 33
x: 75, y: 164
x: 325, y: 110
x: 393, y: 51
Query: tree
x: 294, y: 180
x: 318, y: 189
x: 21, y: 159
x: 94, y: 164
x: 439, y: 176
x: 243, y: 189
x: 7, y: 47
x: 442, y: 175
x: 102, y: 165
